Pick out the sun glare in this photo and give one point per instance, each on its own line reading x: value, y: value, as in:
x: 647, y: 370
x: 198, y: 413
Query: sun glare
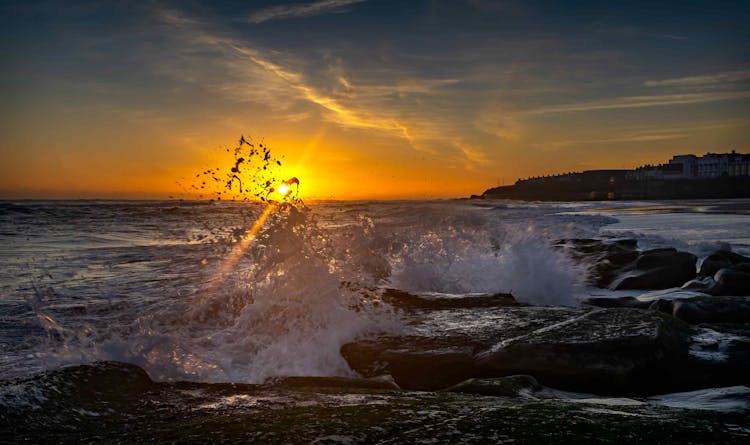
x: 284, y: 190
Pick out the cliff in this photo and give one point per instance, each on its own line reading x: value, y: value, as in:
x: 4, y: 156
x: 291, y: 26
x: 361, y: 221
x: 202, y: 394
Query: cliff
x: 613, y: 184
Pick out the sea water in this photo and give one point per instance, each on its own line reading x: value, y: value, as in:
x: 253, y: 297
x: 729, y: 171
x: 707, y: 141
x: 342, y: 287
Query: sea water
x: 238, y: 292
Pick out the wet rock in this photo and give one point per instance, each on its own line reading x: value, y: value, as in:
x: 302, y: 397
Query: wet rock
x: 657, y: 269
x: 734, y: 281
x: 405, y: 300
x: 607, y: 257
x: 510, y: 386
x: 420, y: 363
x: 708, y: 309
x: 721, y: 259
x: 605, y: 351
x: 608, y: 351
x: 706, y: 285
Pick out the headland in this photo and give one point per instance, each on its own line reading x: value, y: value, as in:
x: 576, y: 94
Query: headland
x: 712, y: 176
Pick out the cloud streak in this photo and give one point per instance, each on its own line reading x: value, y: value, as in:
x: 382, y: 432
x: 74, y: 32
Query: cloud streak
x: 301, y: 10
x: 708, y: 79
x: 642, y: 102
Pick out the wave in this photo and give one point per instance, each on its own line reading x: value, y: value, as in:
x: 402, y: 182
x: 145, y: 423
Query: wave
x: 282, y: 301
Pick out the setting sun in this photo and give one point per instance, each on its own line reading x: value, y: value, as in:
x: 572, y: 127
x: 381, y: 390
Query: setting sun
x: 284, y: 190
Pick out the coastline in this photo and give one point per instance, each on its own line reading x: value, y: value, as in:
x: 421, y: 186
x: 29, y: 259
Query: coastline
x: 613, y: 186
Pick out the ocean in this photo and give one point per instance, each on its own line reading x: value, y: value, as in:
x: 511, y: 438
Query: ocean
x: 207, y: 293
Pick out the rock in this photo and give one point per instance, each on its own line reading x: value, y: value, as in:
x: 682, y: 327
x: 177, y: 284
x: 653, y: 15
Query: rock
x: 657, y: 269
x: 721, y: 259
x: 712, y: 310
x: 419, y: 363
x: 405, y: 300
x: 511, y: 386
x: 606, y: 257
x: 605, y: 351
x: 618, y: 265
x: 706, y: 285
x: 732, y: 282
x: 608, y: 351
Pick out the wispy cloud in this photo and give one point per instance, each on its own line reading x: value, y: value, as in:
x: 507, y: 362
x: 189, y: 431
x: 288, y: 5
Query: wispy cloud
x: 642, y: 102
x: 301, y: 10
x: 473, y: 156
x: 651, y: 135
x: 708, y: 79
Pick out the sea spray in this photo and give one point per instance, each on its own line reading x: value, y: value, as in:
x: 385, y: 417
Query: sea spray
x: 285, y: 307
x: 466, y: 254
x: 306, y: 284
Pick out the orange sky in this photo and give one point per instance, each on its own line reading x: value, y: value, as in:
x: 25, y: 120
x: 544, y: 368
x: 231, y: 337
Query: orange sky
x: 366, y: 100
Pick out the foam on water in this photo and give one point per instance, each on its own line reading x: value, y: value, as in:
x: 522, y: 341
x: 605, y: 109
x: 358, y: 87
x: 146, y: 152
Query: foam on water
x: 280, y: 309
x: 161, y: 285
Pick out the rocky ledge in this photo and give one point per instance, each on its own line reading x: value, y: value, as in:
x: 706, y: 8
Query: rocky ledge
x: 615, y: 351
x: 617, y: 264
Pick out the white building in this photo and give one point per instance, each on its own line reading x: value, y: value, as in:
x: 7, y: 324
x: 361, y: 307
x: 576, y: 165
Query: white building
x: 713, y: 165
x: 689, y: 165
x: 740, y: 166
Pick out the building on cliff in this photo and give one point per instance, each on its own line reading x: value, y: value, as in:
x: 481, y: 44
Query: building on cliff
x: 713, y: 175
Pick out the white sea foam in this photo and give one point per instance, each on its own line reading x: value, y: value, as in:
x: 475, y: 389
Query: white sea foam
x: 285, y: 308
x: 300, y: 291
x: 520, y: 262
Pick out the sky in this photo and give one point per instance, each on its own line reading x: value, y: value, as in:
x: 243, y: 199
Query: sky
x: 364, y: 99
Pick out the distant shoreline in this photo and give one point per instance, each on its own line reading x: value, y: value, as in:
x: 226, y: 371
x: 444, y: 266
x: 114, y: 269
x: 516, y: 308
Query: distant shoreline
x: 616, y: 188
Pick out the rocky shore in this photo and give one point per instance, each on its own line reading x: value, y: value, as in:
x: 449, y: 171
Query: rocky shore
x: 669, y: 365
x: 694, y: 334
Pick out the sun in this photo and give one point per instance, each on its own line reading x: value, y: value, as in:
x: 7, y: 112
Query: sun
x: 284, y: 190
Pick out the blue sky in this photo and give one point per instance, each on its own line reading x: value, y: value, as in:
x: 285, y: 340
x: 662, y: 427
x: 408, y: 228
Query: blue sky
x: 368, y: 98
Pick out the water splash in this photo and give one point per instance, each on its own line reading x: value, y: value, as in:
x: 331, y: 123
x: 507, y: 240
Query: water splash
x: 254, y: 174
x: 286, y: 305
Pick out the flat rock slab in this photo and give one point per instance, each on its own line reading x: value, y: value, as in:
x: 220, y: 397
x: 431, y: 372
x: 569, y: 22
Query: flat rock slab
x: 404, y: 300
x: 589, y: 350
x: 199, y: 413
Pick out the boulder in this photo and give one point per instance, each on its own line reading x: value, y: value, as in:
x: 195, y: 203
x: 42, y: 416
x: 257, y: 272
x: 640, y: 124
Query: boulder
x: 407, y: 301
x: 709, y: 309
x: 706, y: 285
x: 657, y: 269
x: 721, y: 259
x: 605, y: 257
x: 419, y: 363
x: 607, y: 351
x: 734, y: 281
x: 604, y: 351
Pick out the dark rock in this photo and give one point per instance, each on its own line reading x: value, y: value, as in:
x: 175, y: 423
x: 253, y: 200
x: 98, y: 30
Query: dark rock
x: 608, y: 351
x: 604, y: 351
x: 665, y: 306
x: 712, y: 309
x: 657, y: 269
x: 511, y: 386
x: 606, y: 257
x: 732, y: 282
x: 703, y: 284
x: 405, y: 300
x: 419, y: 363
x: 721, y: 259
